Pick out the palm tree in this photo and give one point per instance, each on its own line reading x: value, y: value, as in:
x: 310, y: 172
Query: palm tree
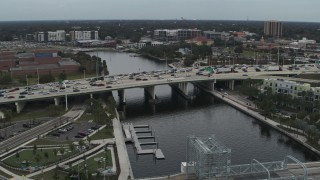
x: 38, y: 158
x: 72, y: 147
x: 46, y: 155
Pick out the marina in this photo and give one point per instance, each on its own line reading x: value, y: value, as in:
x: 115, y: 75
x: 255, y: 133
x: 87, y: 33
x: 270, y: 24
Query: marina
x: 131, y: 136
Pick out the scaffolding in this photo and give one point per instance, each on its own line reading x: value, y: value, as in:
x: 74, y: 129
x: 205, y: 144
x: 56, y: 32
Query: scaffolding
x: 208, y: 156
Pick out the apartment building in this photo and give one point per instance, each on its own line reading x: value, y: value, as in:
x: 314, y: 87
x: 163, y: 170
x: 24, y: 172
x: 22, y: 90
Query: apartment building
x: 273, y: 28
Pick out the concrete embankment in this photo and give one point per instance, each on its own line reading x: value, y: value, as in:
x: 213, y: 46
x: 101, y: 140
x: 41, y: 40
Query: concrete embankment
x: 300, y: 139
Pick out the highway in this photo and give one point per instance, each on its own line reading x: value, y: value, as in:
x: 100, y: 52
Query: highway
x: 21, y: 138
x: 52, y: 90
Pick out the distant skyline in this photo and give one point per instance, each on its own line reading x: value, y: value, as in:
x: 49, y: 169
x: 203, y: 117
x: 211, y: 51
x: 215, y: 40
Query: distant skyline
x: 282, y: 10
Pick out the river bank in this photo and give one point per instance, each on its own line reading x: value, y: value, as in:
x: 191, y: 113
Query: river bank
x: 242, y: 106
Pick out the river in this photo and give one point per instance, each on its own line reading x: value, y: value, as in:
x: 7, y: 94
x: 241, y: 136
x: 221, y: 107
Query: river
x: 173, y: 119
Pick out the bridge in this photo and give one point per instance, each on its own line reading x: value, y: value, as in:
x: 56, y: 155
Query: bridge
x: 120, y: 83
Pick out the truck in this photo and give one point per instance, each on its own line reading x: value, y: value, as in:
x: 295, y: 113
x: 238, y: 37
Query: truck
x: 273, y: 68
x: 223, y: 70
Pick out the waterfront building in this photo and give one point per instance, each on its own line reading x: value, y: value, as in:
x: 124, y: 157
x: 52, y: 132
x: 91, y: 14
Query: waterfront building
x: 59, y: 35
x: 84, y: 35
x: 287, y: 87
x: 216, y: 35
x: 175, y: 34
x: 273, y: 28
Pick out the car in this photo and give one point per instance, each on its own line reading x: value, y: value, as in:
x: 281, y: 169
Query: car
x: 76, y: 90
x: 95, y: 127
x: 138, y: 79
x: 26, y: 125
x: 1, y: 95
x: 78, y: 136
x: 69, y: 128
x: 244, y: 74
x: 144, y: 79
x: 55, y: 134
x: 108, y: 86
x: 83, y: 134
x: 169, y: 80
x: 10, y: 97
x: 21, y: 96
x: 90, y: 130
x: 62, y: 130
x: 30, y: 93
x: 225, y: 93
x: 24, y: 93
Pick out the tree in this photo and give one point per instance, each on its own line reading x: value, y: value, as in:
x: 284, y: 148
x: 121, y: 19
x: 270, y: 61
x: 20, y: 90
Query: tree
x: 62, y: 76
x: 17, y: 155
x: 72, y: 147
x: 62, y: 150
x: 55, y: 175
x: 46, y: 78
x: 55, y: 152
x: 34, y: 149
x: 238, y: 49
x: 46, y: 155
x: 38, y: 158
x: 7, y: 115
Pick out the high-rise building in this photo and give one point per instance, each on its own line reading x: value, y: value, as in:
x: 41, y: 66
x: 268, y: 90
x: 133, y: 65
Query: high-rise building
x: 273, y: 28
x: 84, y: 35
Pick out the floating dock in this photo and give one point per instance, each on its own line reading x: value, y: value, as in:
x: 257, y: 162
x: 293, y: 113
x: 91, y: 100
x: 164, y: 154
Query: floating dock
x: 131, y: 136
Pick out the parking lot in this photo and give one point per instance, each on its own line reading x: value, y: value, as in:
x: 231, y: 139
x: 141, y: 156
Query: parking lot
x: 73, y: 131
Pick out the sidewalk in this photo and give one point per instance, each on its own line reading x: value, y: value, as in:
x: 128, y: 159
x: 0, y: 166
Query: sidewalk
x: 125, y: 166
x: 103, y: 143
x: 247, y: 109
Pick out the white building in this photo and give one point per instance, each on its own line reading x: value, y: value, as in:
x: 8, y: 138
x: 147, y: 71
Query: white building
x: 40, y: 36
x: 84, y: 35
x: 59, y: 35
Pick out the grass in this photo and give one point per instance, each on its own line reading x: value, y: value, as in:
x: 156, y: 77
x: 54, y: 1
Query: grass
x: 29, y: 156
x: 24, y: 115
x: 86, y: 117
x: 104, y: 133
x: 49, y: 175
x: 5, y: 175
x: 93, y: 165
x: 48, y: 142
x: 251, y: 53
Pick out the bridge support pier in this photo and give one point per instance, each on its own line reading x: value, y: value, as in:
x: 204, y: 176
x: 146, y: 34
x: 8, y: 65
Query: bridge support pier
x: 57, y: 101
x: 122, y: 96
x: 184, y: 88
x: 231, y: 84
x: 151, y: 93
x: 19, y: 106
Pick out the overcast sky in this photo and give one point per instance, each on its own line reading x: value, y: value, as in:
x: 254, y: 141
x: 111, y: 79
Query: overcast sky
x: 283, y: 10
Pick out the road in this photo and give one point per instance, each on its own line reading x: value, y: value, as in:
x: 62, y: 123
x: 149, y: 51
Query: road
x: 19, y: 139
x: 52, y: 90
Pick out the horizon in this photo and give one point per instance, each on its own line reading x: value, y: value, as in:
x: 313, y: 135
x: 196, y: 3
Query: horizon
x: 262, y: 10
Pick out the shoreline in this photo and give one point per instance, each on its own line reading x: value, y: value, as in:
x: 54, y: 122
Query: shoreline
x: 267, y: 121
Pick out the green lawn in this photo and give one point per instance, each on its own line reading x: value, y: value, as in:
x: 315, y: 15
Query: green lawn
x: 5, y: 174
x: 24, y: 115
x: 104, y: 133
x: 95, y: 162
x: 86, y: 117
x: 48, y: 142
x: 49, y: 175
x: 27, y: 155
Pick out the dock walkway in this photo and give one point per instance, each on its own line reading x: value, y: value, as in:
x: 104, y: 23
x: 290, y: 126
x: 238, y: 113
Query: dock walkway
x: 131, y: 135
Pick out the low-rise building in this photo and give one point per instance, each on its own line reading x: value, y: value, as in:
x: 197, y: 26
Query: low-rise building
x: 287, y: 87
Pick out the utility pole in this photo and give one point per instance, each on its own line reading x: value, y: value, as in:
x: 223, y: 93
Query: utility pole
x: 278, y: 56
x: 38, y: 75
